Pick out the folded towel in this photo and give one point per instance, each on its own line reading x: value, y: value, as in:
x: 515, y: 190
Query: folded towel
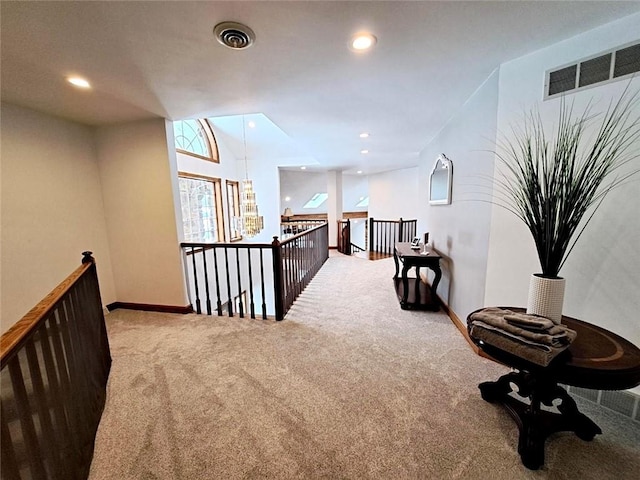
x: 535, y: 323
x: 556, y: 336
x: 536, y: 354
x: 491, y: 312
x: 513, y: 336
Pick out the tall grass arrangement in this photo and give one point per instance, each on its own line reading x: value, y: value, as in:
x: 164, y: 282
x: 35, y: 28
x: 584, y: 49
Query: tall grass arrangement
x: 555, y: 187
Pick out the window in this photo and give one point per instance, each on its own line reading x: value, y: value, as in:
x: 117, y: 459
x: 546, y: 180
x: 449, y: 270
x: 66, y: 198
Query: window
x: 364, y: 202
x: 233, y: 203
x: 317, y: 200
x: 201, y: 202
x: 195, y: 138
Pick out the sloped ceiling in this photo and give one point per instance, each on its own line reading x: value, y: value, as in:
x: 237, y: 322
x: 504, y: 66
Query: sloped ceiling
x: 149, y: 59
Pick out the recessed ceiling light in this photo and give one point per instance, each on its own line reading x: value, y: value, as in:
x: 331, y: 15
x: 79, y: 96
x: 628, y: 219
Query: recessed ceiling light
x: 286, y: 199
x: 364, y: 151
x: 359, y: 171
x: 252, y: 124
x: 303, y: 168
x: 361, y: 42
x: 79, y: 82
x: 364, y: 135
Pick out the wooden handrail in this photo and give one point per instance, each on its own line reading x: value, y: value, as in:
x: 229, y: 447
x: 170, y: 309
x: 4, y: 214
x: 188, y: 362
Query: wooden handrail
x: 301, y: 234
x: 14, y: 337
x: 55, y: 368
x: 217, y: 275
x: 210, y: 245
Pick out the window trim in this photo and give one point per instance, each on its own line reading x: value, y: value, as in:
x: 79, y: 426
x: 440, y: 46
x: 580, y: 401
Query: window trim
x: 236, y: 209
x: 211, y: 142
x: 217, y: 193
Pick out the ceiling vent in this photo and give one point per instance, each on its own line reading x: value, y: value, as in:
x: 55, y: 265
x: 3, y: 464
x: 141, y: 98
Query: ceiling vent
x: 603, y: 68
x: 234, y: 35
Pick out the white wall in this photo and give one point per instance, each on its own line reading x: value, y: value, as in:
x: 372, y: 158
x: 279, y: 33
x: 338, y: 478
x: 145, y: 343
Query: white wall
x: 52, y: 209
x: 334, y: 205
x: 354, y: 189
x: 300, y: 186
x: 602, y: 272
x: 139, y: 181
x: 395, y: 194
x: 460, y: 231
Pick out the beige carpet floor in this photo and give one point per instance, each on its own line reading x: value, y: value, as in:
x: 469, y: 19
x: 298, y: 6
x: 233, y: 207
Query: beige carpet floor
x: 348, y: 386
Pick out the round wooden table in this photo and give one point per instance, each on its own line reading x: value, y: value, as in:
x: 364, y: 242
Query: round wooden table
x: 597, y: 359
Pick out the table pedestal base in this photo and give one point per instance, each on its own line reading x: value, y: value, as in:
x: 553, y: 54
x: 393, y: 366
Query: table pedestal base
x: 535, y: 424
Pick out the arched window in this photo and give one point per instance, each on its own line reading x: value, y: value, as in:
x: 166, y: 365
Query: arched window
x: 195, y: 138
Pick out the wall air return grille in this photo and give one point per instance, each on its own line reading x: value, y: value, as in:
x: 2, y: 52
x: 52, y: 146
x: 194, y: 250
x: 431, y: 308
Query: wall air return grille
x: 562, y: 80
x: 595, y: 70
x: 627, y: 61
x: 602, y: 68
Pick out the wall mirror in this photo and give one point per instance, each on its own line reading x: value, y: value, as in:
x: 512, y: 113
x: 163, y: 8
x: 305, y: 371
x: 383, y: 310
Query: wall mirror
x: 440, y: 181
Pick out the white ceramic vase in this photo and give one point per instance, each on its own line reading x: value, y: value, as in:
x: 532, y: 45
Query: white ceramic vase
x: 546, y: 296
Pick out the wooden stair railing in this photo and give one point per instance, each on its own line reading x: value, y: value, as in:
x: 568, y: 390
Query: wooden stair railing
x: 345, y: 245
x: 302, y: 256
x: 384, y: 234
x: 355, y: 248
x: 253, y: 279
x: 55, y: 364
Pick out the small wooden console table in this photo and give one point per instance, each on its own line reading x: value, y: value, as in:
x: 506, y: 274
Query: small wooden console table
x: 597, y: 359
x: 422, y: 297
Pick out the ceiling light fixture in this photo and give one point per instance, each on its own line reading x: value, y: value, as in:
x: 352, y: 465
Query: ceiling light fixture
x: 303, y: 168
x: 364, y: 151
x: 364, y: 135
x: 361, y: 42
x: 79, y: 82
x: 359, y: 172
x: 249, y: 222
x: 251, y: 124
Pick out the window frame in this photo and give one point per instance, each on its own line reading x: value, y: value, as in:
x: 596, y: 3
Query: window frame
x: 212, y: 144
x: 233, y: 210
x: 217, y: 201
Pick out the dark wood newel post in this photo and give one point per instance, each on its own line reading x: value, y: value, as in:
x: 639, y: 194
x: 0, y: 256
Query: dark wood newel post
x: 348, y: 241
x: 400, y: 237
x: 278, y: 281
x: 370, y: 246
x: 87, y: 258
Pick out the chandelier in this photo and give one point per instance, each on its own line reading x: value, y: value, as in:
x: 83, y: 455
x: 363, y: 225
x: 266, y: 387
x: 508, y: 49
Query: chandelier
x: 249, y: 223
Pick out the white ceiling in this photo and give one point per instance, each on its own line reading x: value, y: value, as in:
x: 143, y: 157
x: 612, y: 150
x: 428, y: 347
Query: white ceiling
x: 148, y: 59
